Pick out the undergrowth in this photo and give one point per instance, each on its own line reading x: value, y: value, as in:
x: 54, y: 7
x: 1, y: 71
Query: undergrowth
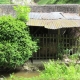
x: 55, y: 71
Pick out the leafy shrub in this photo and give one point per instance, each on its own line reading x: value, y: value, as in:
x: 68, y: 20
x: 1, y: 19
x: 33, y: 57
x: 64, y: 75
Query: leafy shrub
x: 16, y: 45
x: 60, y: 71
x: 75, y: 56
x: 22, y: 12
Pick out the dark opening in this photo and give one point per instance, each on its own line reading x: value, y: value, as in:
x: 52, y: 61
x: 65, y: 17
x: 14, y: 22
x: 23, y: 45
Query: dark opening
x: 48, y: 39
x: 38, y: 30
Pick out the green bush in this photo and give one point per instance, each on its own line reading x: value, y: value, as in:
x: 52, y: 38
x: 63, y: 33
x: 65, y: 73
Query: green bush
x: 16, y: 44
x: 75, y: 56
x: 60, y: 71
x: 22, y: 12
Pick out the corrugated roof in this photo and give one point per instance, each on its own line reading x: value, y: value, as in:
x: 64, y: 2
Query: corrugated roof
x: 51, y: 15
x: 54, y: 20
x: 54, y: 24
x: 71, y: 16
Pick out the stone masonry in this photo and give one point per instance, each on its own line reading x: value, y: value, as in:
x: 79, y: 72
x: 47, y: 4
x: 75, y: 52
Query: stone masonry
x: 68, y: 8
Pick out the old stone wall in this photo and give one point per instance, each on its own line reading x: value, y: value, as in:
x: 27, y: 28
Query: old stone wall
x: 68, y: 8
x: 7, y: 10
x: 74, y: 8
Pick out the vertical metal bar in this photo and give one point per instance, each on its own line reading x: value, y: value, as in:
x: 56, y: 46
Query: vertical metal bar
x: 36, y: 52
x: 66, y: 41
x: 78, y: 45
x: 69, y: 43
x: 46, y: 46
x: 43, y: 53
x: 53, y: 43
x: 63, y: 42
x: 58, y: 42
x: 73, y: 44
x: 39, y: 45
x: 50, y: 47
x: 58, y: 35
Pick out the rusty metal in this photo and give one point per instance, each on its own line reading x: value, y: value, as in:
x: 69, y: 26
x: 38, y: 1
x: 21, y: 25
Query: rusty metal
x: 54, y: 24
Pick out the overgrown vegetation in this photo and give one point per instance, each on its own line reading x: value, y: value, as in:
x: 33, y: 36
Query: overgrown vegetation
x: 56, y: 71
x: 22, y: 13
x: 4, y: 1
x: 16, y: 44
x: 59, y: 2
x: 62, y: 71
x: 75, y: 56
x: 60, y: 50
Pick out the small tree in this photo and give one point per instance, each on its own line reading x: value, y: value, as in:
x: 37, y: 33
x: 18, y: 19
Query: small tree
x: 16, y: 45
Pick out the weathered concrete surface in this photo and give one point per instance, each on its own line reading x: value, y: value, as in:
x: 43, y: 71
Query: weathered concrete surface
x: 35, y: 66
x: 69, y: 8
x: 7, y: 9
x: 39, y: 64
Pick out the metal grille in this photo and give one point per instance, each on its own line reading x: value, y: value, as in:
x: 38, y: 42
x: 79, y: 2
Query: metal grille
x: 49, y: 44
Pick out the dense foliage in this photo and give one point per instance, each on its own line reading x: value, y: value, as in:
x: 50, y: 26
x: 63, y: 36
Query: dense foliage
x: 16, y: 45
x: 59, y: 2
x: 4, y: 1
x: 60, y: 70
x: 22, y: 13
